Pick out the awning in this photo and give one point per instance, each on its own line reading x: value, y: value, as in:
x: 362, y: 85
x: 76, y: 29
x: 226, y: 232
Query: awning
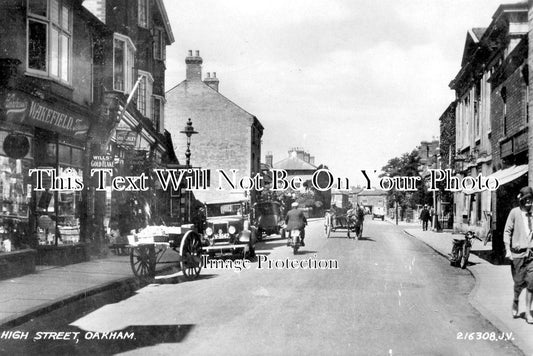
x: 503, y: 176
x: 507, y: 175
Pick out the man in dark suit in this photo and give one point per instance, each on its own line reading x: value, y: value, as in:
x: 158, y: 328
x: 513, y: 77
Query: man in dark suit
x: 424, y: 217
x: 295, y: 220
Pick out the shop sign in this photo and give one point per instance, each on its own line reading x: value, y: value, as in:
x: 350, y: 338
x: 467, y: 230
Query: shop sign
x: 126, y: 137
x: 105, y: 161
x: 506, y: 148
x: 25, y: 109
x: 520, y: 142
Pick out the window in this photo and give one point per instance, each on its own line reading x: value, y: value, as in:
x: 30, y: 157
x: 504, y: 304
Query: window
x: 123, y: 62
x: 157, y: 112
x: 142, y: 6
x: 144, y: 93
x: 49, y: 38
x: 159, y: 44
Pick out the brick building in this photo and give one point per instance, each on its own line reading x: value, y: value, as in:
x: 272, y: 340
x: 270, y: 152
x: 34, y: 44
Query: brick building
x: 491, y: 116
x: 299, y: 163
x: 65, y: 75
x: 229, y: 137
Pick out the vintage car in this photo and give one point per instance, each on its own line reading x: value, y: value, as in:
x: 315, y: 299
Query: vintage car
x: 267, y: 217
x: 378, y: 212
x: 228, y: 229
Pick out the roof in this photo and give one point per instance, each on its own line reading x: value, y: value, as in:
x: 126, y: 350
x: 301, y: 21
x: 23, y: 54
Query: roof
x: 372, y: 192
x: 294, y: 163
x: 185, y: 83
x: 478, y: 32
x: 164, y: 15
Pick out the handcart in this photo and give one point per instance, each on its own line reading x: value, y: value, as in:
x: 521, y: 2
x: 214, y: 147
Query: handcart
x: 150, y: 244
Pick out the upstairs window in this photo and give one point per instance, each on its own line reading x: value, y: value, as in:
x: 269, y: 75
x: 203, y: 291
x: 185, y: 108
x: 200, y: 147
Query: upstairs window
x: 49, y: 29
x: 159, y: 44
x: 158, y: 103
x: 123, y: 63
x: 144, y: 93
x: 142, y: 6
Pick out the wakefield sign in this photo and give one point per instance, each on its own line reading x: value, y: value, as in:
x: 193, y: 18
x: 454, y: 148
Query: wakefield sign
x: 25, y: 109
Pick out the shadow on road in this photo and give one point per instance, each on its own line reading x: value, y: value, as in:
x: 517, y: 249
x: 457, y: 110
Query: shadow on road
x: 271, y: 246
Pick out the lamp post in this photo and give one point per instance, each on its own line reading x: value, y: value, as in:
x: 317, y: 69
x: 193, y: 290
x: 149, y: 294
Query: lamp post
x: 188, y: 131
x: 436, y: 226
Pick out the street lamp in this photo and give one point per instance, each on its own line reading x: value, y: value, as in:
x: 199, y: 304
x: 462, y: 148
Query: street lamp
x: 188, y: 131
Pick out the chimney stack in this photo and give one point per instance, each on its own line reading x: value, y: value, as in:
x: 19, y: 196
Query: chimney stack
x: 312, y: 160
x: 194, y: 66
x: 269, y: 158
x: 212, y: 81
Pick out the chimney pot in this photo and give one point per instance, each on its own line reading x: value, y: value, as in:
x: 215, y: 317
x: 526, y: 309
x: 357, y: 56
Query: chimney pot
x: 208, y: 74
x: 190, y: 53
x: 197, y: 53
x: 214, y: 74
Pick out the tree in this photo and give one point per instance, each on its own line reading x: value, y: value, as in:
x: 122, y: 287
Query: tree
x: 406, y: 166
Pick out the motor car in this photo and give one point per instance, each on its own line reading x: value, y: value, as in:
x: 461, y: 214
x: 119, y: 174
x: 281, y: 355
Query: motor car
x: 378, y: 212
x: 228, y: 226
x: 268, y: 218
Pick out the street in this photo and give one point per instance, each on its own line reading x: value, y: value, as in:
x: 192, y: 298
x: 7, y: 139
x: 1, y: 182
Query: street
x: 391, y: 295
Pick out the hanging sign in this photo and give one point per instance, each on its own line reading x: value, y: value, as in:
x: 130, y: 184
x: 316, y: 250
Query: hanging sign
x: 16, y: 146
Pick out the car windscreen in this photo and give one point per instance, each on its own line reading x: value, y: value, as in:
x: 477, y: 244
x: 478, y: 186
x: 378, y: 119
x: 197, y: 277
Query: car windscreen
x: 268, y: 209
x: 223, y: 209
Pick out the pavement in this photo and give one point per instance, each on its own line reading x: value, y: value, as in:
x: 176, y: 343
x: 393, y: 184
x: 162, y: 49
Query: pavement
x: 51, y: 287
x: 493, y: 292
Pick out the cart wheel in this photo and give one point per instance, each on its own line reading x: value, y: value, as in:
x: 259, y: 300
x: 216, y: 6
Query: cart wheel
x: 142, y: 260
x: 191, y: 255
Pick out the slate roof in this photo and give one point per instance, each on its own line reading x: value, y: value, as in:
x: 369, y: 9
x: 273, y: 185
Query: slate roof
x: 294, y: 163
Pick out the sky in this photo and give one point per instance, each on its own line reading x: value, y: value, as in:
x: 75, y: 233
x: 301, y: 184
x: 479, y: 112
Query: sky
x: 353, y: 82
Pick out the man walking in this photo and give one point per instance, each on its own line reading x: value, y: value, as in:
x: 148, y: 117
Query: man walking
x: 424, y: 216
x: 517, y: 239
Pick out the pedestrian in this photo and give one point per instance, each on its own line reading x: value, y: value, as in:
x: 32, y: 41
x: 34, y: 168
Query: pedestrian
x: 424, y: 217
x: 517, y: 237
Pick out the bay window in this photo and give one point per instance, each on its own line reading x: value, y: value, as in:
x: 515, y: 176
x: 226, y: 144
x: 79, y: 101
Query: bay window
x: 49, y: 25
x: 123, y: 63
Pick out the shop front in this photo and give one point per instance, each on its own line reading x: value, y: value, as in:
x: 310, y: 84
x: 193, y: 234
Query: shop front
x: 42, y: 144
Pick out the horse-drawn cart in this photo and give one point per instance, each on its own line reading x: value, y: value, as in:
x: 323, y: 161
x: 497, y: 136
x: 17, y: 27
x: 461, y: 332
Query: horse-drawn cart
x: 350, y: 221
x: 150, y: 244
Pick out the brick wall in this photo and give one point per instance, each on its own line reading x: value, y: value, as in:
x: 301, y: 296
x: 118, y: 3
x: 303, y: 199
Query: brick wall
x: 224, y: 139
x: 515, y: 108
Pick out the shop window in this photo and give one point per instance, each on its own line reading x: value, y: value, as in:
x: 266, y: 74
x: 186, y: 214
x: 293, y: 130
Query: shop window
x: 143, y: 13
x: 123, y: 63
x: 14, y: 203
x: 49, y: 38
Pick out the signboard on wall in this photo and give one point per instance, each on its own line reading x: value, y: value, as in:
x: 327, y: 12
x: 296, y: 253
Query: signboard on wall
x: 28, y: 110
